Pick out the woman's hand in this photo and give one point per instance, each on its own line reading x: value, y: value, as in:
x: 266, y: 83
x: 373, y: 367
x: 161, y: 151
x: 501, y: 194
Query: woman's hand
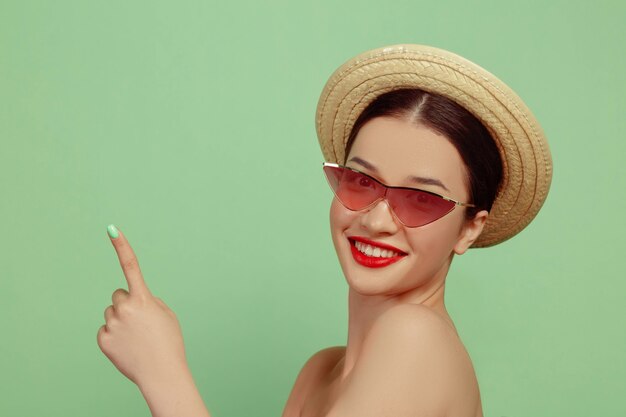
x: 142, y: 336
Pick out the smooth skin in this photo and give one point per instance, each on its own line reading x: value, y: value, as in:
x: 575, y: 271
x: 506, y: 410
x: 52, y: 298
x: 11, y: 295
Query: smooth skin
x: 403, y: 358
x: 143, y: 339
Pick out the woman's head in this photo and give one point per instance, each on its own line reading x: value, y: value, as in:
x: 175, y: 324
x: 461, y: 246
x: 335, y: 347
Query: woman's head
x: 526, y: 166
x: 410, y: 138
x: 378, y: 253
x: 468, y: 135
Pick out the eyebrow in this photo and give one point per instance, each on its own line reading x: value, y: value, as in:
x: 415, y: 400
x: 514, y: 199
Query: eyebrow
x: 412, y: 178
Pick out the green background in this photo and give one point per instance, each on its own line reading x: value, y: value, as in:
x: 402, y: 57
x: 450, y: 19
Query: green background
x: 190, y: 125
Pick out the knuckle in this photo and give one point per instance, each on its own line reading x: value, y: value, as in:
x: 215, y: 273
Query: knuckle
x: 112, y: 323
x: 130, y: 264
x: 165, y: 306
x: 124, y: 309
x: 120, y: 291
x: 102, y: 336
x: 119, y: 295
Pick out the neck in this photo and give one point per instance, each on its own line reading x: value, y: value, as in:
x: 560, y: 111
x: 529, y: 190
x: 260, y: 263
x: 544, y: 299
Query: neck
x: 363, y: 310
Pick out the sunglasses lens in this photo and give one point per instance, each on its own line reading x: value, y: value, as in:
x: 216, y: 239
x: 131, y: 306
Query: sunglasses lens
x: 355, y: 191
x: 413, y: 208
x: 417, y: 208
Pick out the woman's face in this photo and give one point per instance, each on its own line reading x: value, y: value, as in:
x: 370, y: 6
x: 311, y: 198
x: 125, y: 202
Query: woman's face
x: 400, y: 153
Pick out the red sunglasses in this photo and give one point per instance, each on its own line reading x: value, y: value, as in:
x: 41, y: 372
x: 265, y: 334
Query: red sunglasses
x: 411, y: 206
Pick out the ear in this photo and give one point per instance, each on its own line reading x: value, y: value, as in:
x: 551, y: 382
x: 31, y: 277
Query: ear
x: 470, y: 232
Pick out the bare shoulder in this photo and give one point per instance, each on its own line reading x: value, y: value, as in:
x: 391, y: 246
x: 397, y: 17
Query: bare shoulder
x: 323, y: 361
x: 417, y: 335
x: 316, y: 367
x: 413, y: 323
x: 412, y: 363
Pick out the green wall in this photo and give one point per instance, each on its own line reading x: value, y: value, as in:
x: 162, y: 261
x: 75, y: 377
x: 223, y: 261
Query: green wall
x: 189, y: 124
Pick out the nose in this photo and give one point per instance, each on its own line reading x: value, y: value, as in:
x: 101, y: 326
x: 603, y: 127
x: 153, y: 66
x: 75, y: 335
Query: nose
x: 379, y: 219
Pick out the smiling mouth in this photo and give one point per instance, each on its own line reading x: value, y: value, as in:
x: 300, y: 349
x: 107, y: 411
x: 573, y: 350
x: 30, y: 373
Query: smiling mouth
x: 374, y: 251
x: 374, y: 256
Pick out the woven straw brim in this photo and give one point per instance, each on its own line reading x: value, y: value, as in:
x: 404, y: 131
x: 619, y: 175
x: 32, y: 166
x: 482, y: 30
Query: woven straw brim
x: 527, y: 163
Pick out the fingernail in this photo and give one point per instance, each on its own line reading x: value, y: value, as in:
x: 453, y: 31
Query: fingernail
x: 112, y: 231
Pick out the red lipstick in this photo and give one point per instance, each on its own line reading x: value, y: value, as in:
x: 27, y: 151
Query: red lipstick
x: 373, y: 261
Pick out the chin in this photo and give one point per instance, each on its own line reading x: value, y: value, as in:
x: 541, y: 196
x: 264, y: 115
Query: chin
x: 373, y: 281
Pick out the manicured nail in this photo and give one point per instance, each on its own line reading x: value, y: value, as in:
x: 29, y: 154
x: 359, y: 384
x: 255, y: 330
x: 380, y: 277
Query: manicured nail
x: 112, y: 231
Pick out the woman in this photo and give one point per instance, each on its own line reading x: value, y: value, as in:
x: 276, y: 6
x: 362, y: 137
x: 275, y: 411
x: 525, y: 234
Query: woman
x: 428, y: 155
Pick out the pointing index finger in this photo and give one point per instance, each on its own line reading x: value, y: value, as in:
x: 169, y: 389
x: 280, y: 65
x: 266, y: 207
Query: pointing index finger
x: 128, y: 261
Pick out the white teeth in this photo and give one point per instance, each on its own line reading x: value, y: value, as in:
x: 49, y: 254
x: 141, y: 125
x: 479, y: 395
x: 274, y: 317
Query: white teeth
x: 374, y: 251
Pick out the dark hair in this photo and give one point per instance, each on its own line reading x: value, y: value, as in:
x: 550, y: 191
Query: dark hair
x: 469, y: 136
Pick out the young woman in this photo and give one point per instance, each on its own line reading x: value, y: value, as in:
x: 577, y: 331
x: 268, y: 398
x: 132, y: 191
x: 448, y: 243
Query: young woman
x: 428, y: 155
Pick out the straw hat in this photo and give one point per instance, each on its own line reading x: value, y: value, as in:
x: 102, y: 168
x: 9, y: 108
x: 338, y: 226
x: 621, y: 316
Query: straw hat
x: 527, y: 163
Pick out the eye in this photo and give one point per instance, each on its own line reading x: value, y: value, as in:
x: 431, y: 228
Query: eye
x: 420, y: 200
x: 356, y: 180
x: 363, y: 181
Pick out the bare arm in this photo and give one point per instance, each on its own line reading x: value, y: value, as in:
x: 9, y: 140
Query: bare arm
x: 143, y: 339
x: 412, y: 363
x: 174, y: 396
x: 313, y: 369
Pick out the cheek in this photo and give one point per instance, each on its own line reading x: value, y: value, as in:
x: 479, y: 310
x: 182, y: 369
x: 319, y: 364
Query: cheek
x: 437, y: 239
x: 340, y: 217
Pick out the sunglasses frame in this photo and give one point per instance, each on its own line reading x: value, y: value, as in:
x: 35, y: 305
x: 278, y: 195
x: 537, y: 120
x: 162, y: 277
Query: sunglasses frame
x: 388, y: 187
